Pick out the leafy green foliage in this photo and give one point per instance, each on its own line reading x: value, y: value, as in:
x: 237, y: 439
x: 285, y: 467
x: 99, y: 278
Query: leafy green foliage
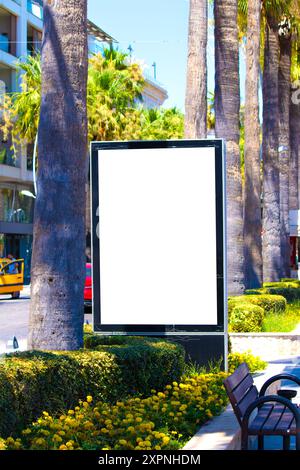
x: 211, y: 118
x: 152, y: 362
x: 280, y: 301
x: 21, y: 110
x: 274, y: 322
x: 254, y: 363
x: 114, y: 103
x: 246, y: 318
x: 290, y: 293
x: 161, y: 124
x: 164, y: 420
x: 113, y: 88
x: 270, y: 303
x: 289, y: 289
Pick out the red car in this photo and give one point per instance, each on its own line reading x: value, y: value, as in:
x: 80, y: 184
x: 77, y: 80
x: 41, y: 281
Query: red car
x: 88, y: 287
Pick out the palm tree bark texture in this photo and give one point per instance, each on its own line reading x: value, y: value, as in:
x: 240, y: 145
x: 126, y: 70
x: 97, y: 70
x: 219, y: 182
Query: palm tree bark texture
x: 294, y: 146
x: 58, y: 263
x: 227, y: 107
x: 284, y: 80
x: 271, y: 202
x: 252, y: 201
x: 196, y: 86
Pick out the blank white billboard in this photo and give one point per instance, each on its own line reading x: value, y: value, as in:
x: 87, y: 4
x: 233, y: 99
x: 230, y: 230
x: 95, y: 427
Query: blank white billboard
x: 157, y: 230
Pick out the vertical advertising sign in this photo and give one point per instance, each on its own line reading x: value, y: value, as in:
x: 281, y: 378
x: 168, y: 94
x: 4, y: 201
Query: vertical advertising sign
x: 158, y: 241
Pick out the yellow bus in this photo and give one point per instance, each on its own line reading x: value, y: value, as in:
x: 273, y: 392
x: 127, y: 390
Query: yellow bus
x: 11, y: 276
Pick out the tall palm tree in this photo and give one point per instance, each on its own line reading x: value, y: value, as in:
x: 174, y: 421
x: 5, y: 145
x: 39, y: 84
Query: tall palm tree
x: 284, y: 80
x: 58, y: 263
x: 196, y: 85
x: 271, y: 201
x: 295, y: 149
x: 252, y: 187
x: 227, y: 107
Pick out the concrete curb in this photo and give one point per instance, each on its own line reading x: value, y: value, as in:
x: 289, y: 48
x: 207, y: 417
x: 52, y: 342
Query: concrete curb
x: 268, y: 346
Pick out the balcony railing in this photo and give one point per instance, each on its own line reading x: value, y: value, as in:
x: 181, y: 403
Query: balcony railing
x: 36, y: 8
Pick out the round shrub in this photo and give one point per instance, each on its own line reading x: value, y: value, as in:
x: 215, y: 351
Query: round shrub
x: 270, y: 303
x: 246, y: 318
x: 255, y: 363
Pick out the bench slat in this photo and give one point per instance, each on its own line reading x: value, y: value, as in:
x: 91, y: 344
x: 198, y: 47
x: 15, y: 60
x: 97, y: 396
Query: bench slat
x: 237, y: 377
x: 241, y: 390
x: 274, y: 418
x: 261, y: 417
x: 287, y: 421
x: 249, y: 398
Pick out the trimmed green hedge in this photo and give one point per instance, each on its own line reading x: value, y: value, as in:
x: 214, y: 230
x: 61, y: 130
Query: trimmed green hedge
x: 33, y: 382
x: 289, y: 293
x: 152, y: 362
x: 290, y: 279
x: 290, y: 284
x: 289, y: 289
x: 246, y: 317
x: 270, y: 303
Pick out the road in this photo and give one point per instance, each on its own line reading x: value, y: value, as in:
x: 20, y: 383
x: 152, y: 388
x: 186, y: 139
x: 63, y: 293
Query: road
x: 14, y: 317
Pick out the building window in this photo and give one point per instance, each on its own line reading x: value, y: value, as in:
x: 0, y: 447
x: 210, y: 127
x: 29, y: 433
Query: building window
x: 7, y: 156
x: 8, y: 32
x: 35, y: 7
x: 29, y: 158
x: 16, y: 206
x: 34, y: 40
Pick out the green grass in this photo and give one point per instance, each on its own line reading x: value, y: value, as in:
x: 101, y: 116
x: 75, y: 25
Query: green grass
x: 283, y: 322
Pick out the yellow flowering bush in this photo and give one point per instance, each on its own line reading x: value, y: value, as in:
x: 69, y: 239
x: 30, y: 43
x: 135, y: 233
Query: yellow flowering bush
x: 254, y: 362
x: 33, y: 381
x: 164, y: 420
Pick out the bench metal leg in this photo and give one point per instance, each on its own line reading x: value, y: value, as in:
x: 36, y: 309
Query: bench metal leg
x: 286, y: 442
x: 260, y: 443
x: 244, y: 440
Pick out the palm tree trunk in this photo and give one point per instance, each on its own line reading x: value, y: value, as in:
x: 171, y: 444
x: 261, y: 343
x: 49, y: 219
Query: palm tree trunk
x: 271, y: 203
x: 196, y: 86
x: 295, y: 150
x: 227, y: 107
x: 58, y: 263
x: 252, y: 210
x: 284, y: 80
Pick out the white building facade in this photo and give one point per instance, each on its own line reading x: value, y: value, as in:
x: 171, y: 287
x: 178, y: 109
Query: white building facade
x: 21, y: 25
x: 20, y: 34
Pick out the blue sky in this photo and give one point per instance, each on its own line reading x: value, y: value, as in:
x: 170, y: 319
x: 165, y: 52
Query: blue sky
x: 157, y: 30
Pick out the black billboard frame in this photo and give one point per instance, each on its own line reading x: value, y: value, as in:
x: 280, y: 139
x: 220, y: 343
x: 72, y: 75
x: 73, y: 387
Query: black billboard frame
x: 163, y: 330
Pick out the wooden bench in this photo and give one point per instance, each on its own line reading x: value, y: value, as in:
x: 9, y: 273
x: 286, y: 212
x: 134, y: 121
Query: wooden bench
x: 275, y: 415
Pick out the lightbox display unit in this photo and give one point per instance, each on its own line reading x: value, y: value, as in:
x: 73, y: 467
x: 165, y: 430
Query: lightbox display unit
x: 159, y: 242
